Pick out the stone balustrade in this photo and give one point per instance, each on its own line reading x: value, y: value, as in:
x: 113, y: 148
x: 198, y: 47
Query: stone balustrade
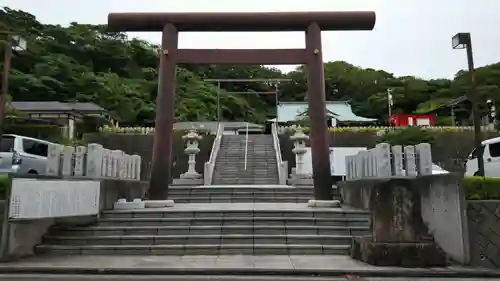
x: 92, y: 161
x: 385, y: 161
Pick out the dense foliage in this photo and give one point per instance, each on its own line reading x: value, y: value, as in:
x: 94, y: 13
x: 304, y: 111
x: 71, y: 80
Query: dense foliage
x: 87, y: 63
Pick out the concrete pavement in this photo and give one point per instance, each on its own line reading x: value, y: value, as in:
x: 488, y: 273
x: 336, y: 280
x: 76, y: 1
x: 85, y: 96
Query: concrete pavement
x: 14, y: 277
x: 306, y: 266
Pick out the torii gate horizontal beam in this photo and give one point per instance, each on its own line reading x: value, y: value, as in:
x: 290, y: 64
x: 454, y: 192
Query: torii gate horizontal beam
x: 240, y: 56
x: 255, y: 22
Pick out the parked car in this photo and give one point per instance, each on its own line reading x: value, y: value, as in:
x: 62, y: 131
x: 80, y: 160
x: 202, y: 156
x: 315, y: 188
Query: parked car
x: 23, y: 155
x: 490, y: 150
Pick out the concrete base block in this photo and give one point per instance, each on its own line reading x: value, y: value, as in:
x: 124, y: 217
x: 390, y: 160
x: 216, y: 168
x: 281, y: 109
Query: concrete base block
x: 303, y: 182
x: 189, y: 182
x: 323, y: 203
x: 159, y: 203
x: 406, y: 254
x: 122, y: 204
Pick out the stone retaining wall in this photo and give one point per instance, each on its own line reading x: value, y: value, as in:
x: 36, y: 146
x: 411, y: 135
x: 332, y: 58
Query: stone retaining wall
x: 484, y: 232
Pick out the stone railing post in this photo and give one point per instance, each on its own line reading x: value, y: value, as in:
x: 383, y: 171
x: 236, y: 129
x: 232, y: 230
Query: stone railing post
x: 67, y: 161
x: 79, y: 169
x: 383, y: 160
x: 136, y: 167
x: 397, y: 161
x: 409, y: 159
x: 424, y: 156
x: 95, y: 165
x: 54, y: 162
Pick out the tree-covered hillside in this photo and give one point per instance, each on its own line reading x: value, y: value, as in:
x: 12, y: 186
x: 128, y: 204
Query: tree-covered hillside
x: 86, y: 63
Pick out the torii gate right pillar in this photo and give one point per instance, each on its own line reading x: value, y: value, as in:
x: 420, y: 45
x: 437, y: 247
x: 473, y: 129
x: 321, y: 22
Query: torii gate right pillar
x: 320, y: 148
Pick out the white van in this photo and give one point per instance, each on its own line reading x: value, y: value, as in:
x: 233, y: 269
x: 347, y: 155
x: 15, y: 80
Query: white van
x: 490, y: 150
x: 23, y: 155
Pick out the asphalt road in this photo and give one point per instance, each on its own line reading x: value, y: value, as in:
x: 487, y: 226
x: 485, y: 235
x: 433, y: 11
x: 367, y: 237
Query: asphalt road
x: 26, y: 277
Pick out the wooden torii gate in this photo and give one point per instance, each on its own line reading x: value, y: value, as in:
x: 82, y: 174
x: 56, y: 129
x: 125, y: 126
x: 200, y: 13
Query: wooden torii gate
x: 172, y: 23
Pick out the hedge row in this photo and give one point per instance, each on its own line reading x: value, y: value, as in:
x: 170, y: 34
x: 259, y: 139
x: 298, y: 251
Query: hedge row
x: 380, y: 129
x: 481, y: 188
x: 477, y: 188
x: 3, y: 185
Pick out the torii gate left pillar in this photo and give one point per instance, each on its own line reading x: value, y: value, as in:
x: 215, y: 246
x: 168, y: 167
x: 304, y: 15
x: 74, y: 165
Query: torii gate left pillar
x: 172, y: 23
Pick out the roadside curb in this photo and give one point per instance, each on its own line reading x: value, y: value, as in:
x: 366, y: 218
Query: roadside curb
x: 406, y: 272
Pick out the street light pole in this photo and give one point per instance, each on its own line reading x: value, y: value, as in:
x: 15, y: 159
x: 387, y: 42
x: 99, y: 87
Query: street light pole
x: 389, y: 103
x: 461, y: 41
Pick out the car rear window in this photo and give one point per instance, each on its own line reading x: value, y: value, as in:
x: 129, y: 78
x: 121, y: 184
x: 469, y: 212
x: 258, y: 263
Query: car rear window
x: 7, y: 144
x: 34, y: 147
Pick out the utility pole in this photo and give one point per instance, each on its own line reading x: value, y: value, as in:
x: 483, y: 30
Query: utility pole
x: 389, y: 104
x: 7, y: 56
x: 12, y: 43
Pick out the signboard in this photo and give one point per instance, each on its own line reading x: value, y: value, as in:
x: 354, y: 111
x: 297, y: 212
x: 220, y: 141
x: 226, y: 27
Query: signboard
x: 39, y: 198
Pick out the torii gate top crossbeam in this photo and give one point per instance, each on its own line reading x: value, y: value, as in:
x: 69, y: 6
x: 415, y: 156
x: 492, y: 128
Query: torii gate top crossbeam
x: 269, y: 21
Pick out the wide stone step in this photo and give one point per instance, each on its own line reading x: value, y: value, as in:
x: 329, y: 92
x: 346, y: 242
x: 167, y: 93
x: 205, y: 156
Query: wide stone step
x: 234, y: 199
x: 252, y: 179
x: 225, y: 249
x: 264, y: 179
x: 240, y: 160
x: 240, y: 176
x: 252, y: 149
x: 210, y: 239
x: 236, y: 193
x: 237, y: 165
x: 229, y: 211
x: 250, y: 170
x: 243, y: 182
x: 212, y: 221
x: 245, y: 189
x: 210, y: 230
x: 244, y: 177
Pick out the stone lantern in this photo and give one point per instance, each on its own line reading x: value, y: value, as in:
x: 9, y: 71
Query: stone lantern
x: 299, y: 139
x: 192, y: 140
x: 191, y: 177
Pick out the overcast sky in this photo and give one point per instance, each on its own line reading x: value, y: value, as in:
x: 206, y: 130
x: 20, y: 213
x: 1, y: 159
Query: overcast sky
x: 411, y: 37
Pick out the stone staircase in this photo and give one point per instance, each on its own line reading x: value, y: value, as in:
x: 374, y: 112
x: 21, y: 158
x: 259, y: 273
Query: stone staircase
x: 261, y: 161
x: 212, y: 229
x: 240, y: 194
x: 244, y: 214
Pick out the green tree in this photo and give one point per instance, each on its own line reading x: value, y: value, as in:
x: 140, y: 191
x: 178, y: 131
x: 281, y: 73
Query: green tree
x: 82, y: 62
